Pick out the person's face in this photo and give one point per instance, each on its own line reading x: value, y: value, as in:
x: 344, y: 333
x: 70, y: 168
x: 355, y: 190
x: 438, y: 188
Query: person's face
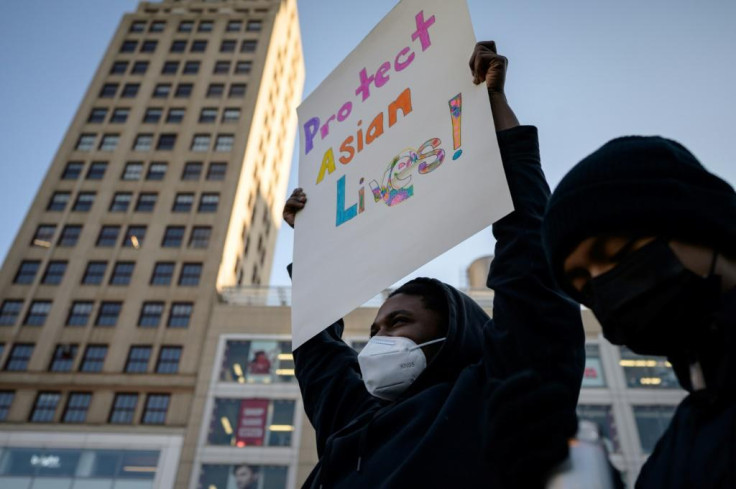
x: 405, y: 315
x: 244, y: 476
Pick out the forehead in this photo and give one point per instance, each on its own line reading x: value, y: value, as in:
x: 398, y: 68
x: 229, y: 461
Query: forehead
x: 411, y: 303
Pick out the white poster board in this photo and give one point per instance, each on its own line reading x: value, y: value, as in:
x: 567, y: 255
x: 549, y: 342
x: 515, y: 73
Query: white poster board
x: 399, y: 161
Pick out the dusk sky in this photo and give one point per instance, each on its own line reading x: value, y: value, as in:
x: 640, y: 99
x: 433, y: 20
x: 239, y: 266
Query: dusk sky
x: 583, y: 72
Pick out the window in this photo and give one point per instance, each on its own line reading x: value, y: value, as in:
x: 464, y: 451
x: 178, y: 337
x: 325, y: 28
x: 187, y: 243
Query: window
x: 183, y: 202
x: 602, y: 416
x: 58, y: 201
x: 652, y: 421
x: 119, y: 116
x: 224, y: 142
x: 143, y: 142
x: 178, y: 46
x: 200, y: 143
x: 173, y: 237
x: 221, y: 67
x: 108, y: 236
x: 79, y: 313
x: 183, y: 90
x: 593, y: 374
x: 253, y: 26
x: 86, y: 142
x: 139, y: 67
x: 227, y: 46
x: 166, y: 141
x: 94, y: 358
x: 152, y: 115
x: 175, y: 116
x: 162, y: 273
x: 243, y: 67
x: 215, y: 90
x: 191, y: 67
x: 94, y: 273
x: 148, y: 46
x: 84, y: 201
x: 134, y: 236
x: 123, y: 408
x: 237, y: 90
x: 122, y: 273
x: 208, y: 202
x: 647, y: 371
x: 168, y: 360
x: 96, y: 172
x: 200, y: 237
x: 119, y: 68
x: 231, y: 115
x: 154, y: 412
x: 170, y: 68
x: 162, y: 90
x: 128, y: 46
x: 6, y: 400
x: 205, y: 26
x: 10, y: 311
x: 190, y: 274
x: 72, y: 170
x: 151, y: 313
x: 234, y: 26
x: 186, y: 26
x: 217, y: 171
x: 157, y: 26
x: 109, y: 90
x: 109, y: 142
x: 54, y: 273
x: 44, y: 408
x: 70, y: 235
x: 192, y: 171
x: 97, y: 115
x: 257, y: 362
x: 120, y: 202
x: 108, y: 313
x: 130, y: 90
x: 156, y: 170
x: 180, y: 314
x: 270, y: 422
x: 37, y: 313
x: 198, y: 46
x: 19, y: 357
x: 138, y: 359
x: 208, y: 114
x: 27, y: 272
x: 76, y: 407
x: 138, y: 26
x: 271, y: 476
x: 248, y: 46
x: 44, y: 235
x: 63, y: 358
x: 133, y: 171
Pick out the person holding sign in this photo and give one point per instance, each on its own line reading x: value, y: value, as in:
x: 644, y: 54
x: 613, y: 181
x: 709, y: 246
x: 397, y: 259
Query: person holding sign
x: 644, y: 235
x: 419, y: 406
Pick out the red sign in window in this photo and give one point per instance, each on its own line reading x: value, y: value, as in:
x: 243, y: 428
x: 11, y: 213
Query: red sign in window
x: 252, y: 422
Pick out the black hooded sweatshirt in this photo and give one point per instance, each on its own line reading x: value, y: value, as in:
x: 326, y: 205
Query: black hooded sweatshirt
x: 432, y: 436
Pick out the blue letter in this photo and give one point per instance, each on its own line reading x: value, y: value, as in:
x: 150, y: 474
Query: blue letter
x: 343, y: 215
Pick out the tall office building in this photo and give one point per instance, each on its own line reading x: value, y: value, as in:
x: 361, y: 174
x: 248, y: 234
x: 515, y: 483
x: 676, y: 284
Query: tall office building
x: 166, y: 187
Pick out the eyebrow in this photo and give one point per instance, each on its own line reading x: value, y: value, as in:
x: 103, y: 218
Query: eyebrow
x: 392, y: 315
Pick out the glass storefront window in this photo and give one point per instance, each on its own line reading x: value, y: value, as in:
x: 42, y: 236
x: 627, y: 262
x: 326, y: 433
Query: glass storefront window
x: 243, y: 476
x: 647, y: 371
x: 257, y: 362
x: 252, y: 422
x: 593, y: 374
x: 651, y: 422
x: 602, y: 415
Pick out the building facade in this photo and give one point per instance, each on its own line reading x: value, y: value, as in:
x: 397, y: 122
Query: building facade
x: 167, y: 186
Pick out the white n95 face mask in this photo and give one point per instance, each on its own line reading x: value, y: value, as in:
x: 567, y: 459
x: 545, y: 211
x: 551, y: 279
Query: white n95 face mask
x: 390, y: 364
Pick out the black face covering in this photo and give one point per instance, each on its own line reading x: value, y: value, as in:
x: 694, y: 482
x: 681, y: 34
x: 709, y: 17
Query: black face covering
x: 651, y: 303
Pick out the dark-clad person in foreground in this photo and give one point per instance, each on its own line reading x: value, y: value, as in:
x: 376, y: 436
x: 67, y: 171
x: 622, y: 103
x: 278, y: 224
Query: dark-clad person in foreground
x: 417, y: 408
x: 645, y: 236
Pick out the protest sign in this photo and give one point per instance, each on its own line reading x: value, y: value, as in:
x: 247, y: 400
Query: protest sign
x: 399, y: 161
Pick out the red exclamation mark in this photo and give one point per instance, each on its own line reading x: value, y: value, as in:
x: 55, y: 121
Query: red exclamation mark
x: 456, y: 112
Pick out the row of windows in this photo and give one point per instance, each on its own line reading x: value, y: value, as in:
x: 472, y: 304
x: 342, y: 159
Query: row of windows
x: 146, y: 202
x: 77, y: 404
x: 108, y: 312
x: 164, y: 90
x: 154, y: 115
x: 201, y: 143
x: 222, y: 67
x: 199, y: 237
x: 181, y: 45
x: 133, y: 170
x: 156, y: 26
